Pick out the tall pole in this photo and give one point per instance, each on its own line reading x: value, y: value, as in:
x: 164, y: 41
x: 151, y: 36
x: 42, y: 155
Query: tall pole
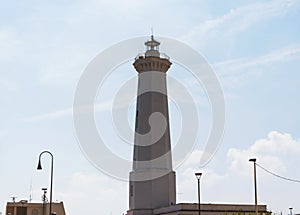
x: 199, y: 207
x: 255, y: 186
x: 51, y: 179
x: 291, y: 211
x: 198, y: 176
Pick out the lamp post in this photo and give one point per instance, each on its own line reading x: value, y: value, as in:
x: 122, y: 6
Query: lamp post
x: 255, y: 186
x: 198, y: 176
x: 291, y: 211
x: 39, y: 167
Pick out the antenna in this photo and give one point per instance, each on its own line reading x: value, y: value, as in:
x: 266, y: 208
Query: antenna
x: 30, y: 190
x: 13, y: 198
x: 44, y: 197
x: 151, y: 30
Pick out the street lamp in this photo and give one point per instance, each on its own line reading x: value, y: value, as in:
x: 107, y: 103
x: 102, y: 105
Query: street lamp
x: 198, y: 176
x: 39, y: 167
x: 291, y: 211
x: 255, y: 186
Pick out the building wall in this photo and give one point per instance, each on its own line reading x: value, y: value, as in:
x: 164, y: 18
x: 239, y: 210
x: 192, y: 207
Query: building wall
x: 25, y: 208
x: 212, y: 209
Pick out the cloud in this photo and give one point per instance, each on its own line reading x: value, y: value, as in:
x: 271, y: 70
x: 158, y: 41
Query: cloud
x: 68, y: 112
x: 270, y: 152
x: 194, y: 158
x: 236, y: 174
x: 191, y: 165
x: 239, y: 19
x: 234, y: 66
x: 186, y: 179
x: 235, y: 72
x: 50, y: 116
x: 281, y: 143
x: 91, y: 189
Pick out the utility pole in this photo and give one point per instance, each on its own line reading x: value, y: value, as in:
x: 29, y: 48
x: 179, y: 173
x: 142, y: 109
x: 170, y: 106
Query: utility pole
x: 255, y: 186
x: 198, y: 176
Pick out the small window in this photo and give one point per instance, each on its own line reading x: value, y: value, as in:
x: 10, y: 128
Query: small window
x: 136, y: 119
x: 131, y: 190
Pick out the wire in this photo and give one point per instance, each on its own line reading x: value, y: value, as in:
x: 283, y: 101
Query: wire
x: 284, y: 178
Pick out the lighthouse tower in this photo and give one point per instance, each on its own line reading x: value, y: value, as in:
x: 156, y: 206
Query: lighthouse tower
x: 152, y: 180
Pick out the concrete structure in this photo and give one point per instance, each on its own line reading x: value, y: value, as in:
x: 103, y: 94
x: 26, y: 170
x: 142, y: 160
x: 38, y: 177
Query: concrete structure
x: 211, y: 209
x: 23, y: 207
x: 152, y: 180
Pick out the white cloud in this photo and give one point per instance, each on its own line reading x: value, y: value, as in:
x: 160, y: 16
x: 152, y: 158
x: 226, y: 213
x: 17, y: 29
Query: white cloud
x: 270, y: 152
x: 240, y: 161
x: 191, y: 165
x: 239, y: 19
x: 49, y: 116
x: 194, y: 159
x: 233, y: 66
x: 277, y: 143
x: 68, y: 112
x: 236, y: 72
x: 91, y: 189
x: 186, y: 179
x: 218, y: 35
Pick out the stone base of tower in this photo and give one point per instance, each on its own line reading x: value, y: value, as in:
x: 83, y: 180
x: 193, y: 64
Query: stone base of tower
x: 139, y: 212
x: 145, y: 196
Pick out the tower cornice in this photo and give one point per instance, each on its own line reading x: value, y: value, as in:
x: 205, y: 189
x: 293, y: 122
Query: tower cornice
x: 151, y: 63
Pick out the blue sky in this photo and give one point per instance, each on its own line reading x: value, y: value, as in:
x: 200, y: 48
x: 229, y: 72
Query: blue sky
x: 253, y: 46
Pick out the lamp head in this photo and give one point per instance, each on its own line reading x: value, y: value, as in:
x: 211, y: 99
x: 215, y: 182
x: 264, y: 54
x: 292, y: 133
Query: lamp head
x: 39, y: 167
x: 198, y: 175
x: 252, y: 160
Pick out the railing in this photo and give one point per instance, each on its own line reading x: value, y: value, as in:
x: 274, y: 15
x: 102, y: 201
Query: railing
x: 161, y: 55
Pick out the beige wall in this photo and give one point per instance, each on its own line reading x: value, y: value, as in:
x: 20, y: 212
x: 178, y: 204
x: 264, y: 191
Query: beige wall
x: 206, y: 209
x: 34, y: 208
x: 211, y: 209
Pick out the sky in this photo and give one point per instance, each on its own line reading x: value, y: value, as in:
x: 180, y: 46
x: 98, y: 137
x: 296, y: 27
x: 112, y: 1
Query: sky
x: 252, y: 46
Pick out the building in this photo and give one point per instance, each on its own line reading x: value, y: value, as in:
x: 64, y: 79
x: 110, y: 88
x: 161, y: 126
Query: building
x: 152, y: 188
x: 211, y: 209
x: 24, y: 207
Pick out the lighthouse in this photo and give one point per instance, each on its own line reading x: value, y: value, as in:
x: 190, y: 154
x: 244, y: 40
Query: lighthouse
x: 152, y: 179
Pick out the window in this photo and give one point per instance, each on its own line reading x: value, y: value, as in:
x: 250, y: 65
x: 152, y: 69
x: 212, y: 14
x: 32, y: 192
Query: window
x: 131, y: 190
x: 136, y: 119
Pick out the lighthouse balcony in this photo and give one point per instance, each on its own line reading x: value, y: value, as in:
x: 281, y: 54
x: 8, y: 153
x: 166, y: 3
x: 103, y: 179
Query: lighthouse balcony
x: 152, y: 54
